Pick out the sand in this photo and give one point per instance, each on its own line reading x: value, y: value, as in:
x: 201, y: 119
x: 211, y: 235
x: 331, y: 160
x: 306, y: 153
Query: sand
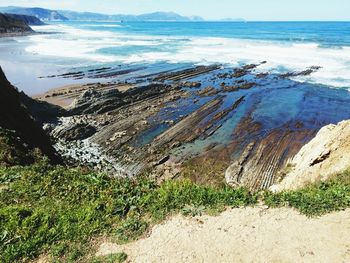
x: 243, y: 235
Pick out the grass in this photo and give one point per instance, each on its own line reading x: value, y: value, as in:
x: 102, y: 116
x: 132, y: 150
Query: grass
x: 59, y: 211
x: 13, y: 151
x: 205, y: 171
x: 315, y: 199
x: 113, y: 258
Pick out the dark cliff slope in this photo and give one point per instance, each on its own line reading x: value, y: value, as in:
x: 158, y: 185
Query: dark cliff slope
x: 14, y: 116
x: 9, y: 24
x: 29, y: 20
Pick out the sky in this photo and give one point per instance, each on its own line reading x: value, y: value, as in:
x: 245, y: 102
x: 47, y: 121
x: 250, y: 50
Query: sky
x: 267, y: 10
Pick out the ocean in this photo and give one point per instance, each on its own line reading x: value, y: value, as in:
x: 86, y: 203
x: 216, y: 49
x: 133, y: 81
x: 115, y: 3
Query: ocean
x: 285, y: 46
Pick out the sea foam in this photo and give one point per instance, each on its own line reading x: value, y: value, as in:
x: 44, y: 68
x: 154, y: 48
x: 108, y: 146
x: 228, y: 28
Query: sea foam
x: 280, y: 56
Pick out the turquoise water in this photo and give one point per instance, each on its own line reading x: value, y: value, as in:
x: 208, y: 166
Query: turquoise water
x: 286, y: 46
x: 275, y: 102
x: 329, y: 34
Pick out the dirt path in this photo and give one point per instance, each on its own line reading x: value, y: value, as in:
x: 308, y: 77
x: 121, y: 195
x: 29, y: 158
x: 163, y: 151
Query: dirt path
x: 244, y: 235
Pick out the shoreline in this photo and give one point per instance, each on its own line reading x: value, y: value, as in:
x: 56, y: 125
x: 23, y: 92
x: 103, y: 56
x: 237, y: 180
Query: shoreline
x: 17, y: 34
x: 193, y: 119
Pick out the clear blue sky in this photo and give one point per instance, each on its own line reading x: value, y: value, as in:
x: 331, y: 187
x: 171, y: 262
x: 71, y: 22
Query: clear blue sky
x: 209, y: 9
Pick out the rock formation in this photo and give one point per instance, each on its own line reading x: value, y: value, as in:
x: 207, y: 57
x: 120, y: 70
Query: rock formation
x: 326, y: 154
x: 202, y: 119
x: 12, y: 25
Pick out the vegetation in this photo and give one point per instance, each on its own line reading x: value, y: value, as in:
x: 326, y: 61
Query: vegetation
x: 205, y: 171
x: 14, y: 152
x: 61, y: 212
x: 315, y: 199
x: 58, y: 211
x: 113, y: 258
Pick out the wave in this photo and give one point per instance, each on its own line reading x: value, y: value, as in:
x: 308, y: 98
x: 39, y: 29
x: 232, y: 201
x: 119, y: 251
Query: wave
x: 280, y: 56
x: 102, y: 25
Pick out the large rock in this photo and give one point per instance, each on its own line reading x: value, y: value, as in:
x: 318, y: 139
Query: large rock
x: 327, y: 154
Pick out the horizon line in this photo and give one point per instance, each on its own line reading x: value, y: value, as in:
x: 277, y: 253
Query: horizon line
x: 224, y: 19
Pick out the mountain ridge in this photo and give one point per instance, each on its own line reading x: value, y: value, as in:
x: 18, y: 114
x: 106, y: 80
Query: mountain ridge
x: 64, y: 15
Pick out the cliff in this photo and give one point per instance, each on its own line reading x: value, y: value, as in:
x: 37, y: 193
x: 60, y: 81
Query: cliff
x: 326, y: 154
x: 10, y: 24
x: 14, y: 116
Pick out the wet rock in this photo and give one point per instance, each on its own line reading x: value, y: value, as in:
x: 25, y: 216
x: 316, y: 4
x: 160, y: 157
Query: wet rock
x: 262, y: 75
x: 99, y: 102
x: 162, y: 160
x: 245, y: 85
x: 118, y: 135
x: 224, y: 75
x: 233, y: 172
x: 306, y: 72
x: 208, y: 91
x: 238, y: 73
x: 249, y: 66
x: 189, y: 84
x: 187, y: 73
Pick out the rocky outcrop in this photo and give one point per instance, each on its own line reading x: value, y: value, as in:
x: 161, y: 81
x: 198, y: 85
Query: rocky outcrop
x: 256, y: 166
x: 12, y: 25
x: 14, y: 116
x: 98, y: 102
x: 327, y: 154
x: 203, y: 119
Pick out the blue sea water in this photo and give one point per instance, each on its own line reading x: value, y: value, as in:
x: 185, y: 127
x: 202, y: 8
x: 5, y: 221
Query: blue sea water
x: 286, y: 46
x: 151, y: 47
x: 329, y: 34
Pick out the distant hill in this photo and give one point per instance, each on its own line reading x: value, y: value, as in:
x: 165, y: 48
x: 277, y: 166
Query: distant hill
x: 166, y: 16
x: 63, y: 15
x: 233, y: 20
x: 29, y: 20
x: 12, y: 25
x: 40, y: 13
x: 156, y: 16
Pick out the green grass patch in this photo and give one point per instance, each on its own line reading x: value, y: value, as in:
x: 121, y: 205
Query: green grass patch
x: 315, y: 199
x: 113, y: 258
x: 57, y: 210
x: 14, y: 152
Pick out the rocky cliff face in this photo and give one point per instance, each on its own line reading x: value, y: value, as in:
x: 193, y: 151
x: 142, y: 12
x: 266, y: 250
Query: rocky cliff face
x: 327, y: 154
x: 14, y: 116
x: 10, y: 24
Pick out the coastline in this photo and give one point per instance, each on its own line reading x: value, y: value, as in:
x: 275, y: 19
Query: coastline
x: 137, y: 145
x: 17, y: 34
x: 194, y: 119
